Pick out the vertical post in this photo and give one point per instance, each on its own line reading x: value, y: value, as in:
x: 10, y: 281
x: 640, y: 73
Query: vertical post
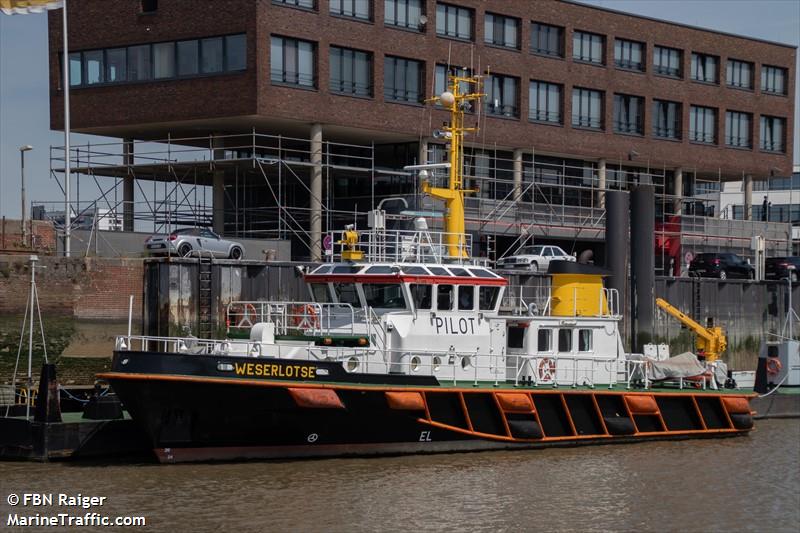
x: 315, y: 211
x: 678, y: 204
x: 517, y: 175
x: 130, y: 316
x: 34, y: 259
x: 217, y: 188
x: 601, y: 184
x: 127, y: 186
x: 22, y: 151
x: 748, y: 197
x: 67, y: 213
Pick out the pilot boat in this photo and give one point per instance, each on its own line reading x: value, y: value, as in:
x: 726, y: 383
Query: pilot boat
x: 407, y: 344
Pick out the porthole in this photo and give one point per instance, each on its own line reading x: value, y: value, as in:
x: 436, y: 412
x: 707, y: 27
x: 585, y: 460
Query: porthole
x: 352, y: 364
x: 465, y: 363
x: 415, y: 363
x: 437, y: 363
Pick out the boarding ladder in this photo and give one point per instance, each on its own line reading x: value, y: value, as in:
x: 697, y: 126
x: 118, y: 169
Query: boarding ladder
x: 205, y: 322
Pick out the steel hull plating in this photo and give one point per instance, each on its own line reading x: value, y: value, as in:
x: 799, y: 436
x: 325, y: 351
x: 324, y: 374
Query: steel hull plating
x: 193, y: 412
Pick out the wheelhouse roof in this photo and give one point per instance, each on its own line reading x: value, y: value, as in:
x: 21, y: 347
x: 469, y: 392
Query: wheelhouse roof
x: 404, y: 272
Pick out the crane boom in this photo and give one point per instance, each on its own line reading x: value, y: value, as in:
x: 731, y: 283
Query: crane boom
x: 711, y: 341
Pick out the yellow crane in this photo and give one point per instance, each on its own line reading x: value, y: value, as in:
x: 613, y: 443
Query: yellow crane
x: 710, y: 342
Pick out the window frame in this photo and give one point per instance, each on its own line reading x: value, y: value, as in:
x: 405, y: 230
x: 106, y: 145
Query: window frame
x: 297, y: 83
x: 407, y: 4
x: 628, y: 64
x: 590, y: 37
x: 459, y: 10
x: 580, y: 123
x: 695, y: 62
x: 490, y: 107
x: 667, y: 72
x: 763, y: 119
x: 369, y: 57
x: 619, y: 109
x: 503, y: 19
x: 677, y: 126
x: 295, y: 4
x: 766, y: 70
x: 693, y: 133
x: 370, y: 10
x: 420, y: 80
x: 544, y: 87
x: 735, y: 66
x: 536, y: 27
x: 729, y: 127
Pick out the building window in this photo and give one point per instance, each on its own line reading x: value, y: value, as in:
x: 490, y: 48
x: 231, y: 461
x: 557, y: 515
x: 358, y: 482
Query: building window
x: 667, y: 61
x: 737, y: 129
x: 163, y: 61
x: 357, y: 9
x: 666, y: 119
x: 629, y: 55
x: 739, y: 74
x: 544, y: 102
x: 547, y: 39
x: 501, y: 31
x: 305, y: 4
x: 139, y: 65
x: 350, y: 71
x: 235, y: 52
x: 292, y: 62
x: 441, y: 83
x: 628, y: 114
x: 702, y: 124
x: 403, y: 13
x: 149, y: 6
x: 587, y: 108
x: 402, y: 79
x: 116, y: 65
x: 211, y: 55
x: 188, y: 58
x: 502, y: 95
x: 772, y: 134
x: 773, y: 80
x: 454, y: 21
x: 94, y: 72
x: 587, y: 47
x: 704, y: 68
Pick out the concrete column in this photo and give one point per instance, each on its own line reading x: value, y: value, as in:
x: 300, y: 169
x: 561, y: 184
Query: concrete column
x: 601, y: 184
x: 748, y: 197
x: 217, y: 189
x: 316, y: 193
x: 517, y: 175
x: 678, y: 204
x: 127, y: 186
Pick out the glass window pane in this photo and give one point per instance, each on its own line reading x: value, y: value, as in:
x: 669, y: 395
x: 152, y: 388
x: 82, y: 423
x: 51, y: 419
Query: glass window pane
x: 564, y: 340
x: 93, y: 63
x: 188, y: 57
x: 116, y: 62
x: 305, y: 63
x: 236, y: 52
x: 211, y: 55
x: 75, y: 70
x: 544, y: 339
x: 139, y: 66
x: 164, y: 60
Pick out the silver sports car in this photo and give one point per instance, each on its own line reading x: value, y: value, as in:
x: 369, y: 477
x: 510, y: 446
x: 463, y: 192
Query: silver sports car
x: 193, y: 242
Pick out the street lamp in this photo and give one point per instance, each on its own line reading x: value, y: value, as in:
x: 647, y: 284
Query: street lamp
x: 22, y: 150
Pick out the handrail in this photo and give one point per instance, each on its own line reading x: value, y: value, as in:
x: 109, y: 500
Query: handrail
x: 311, y: 318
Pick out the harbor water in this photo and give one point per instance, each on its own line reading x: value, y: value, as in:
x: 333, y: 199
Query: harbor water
x: 749, y: 483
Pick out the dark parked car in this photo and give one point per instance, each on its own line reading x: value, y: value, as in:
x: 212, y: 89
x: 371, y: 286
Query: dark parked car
x: 778, y: 268
x: 722, y: 266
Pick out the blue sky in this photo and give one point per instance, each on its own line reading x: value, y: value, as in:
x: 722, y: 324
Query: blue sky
x: 24, y: 113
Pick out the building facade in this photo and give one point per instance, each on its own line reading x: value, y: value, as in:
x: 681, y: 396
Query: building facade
x: 579, y: 100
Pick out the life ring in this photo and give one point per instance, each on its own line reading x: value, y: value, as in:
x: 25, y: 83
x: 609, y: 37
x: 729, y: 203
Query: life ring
x: 248, y: 312
x: 307, y: 318
x: 773, y: 366
x: 547, y: 369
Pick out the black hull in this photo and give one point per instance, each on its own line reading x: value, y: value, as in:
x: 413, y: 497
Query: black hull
x: 191, y: 413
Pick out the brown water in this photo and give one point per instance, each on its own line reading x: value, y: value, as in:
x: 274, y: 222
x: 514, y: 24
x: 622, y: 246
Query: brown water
x: 742, y: 484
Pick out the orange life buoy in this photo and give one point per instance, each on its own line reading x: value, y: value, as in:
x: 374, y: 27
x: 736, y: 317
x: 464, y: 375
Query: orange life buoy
x: 307, y: 318
x: 547, y: 369
x: 773, y: 365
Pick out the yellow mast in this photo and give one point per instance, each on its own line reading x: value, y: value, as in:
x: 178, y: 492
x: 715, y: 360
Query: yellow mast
x: 453, y: 195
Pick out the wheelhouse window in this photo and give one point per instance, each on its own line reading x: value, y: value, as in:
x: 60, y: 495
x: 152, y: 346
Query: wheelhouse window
x: 704, y: 68
x: 547, y: 39
x: 321, y: 293
x: 587, y: 47
x: 502, y: 95
x: 402, y: 80
x: 737, y: 129
x: 292, y: 62
x: 384, y: 295
x: 587, y: 108
x: 350, y: 71
x: 628, y: 114
x: 702, y: 124
x: 357, y: 9
x: 544, y: 102
x: 444, y: 297
x: 403, y: 14
x: 487, y: 298
x: 585, y: 340
x: 772, y: 134
x: 667, y: 61
x: 666, y: 119
x: 454, y: 21
x: 564, y: 340
x: 500, y: 30
x: 466, y: 298
x: 629, y: 55
x: 346, y: 293
x: 544, y: 340
x: 422, y: 296
x: 773, y: 79
x: 739, y: 74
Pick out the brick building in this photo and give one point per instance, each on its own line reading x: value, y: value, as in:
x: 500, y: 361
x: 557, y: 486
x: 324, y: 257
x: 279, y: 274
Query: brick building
x: 579, y: 100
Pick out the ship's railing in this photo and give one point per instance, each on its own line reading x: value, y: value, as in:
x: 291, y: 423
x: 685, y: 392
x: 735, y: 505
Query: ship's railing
x: 450, y: 365
x: 402, y: 246
x: 536, y: 301
x: 306, y: 318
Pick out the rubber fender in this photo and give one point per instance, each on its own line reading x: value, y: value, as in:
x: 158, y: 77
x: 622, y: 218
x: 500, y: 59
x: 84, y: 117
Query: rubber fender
x: 736, y: 404
x: 525, y: 429
x: 515, y: 402
x: 405, y: 401
x: 741, y: 420
x: 619, y: 425
x: 316, y: 398
x: 641, y: 404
